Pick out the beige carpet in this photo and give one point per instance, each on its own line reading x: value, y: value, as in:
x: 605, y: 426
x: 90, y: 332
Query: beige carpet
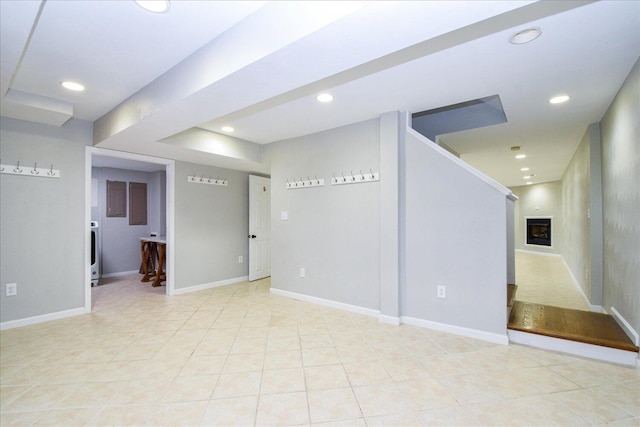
x: 545, y: 279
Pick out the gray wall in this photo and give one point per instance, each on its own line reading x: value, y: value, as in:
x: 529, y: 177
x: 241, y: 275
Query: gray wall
x: 539, y: 200
x: 620, y: 134
x: 456, y: 236
x: 332, y: 231
x: 42, y: 219
x: 120, y: 249
x: 212, y: 225
x: 575, y: 225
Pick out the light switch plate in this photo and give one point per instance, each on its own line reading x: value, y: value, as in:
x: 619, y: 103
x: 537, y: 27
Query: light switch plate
x: 284, y: 215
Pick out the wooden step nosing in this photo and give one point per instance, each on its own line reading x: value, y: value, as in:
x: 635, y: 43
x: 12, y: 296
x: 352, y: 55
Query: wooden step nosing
x: 571, y: 337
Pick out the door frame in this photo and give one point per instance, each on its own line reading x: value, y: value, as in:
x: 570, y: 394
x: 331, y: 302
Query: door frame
x: 170, y: 212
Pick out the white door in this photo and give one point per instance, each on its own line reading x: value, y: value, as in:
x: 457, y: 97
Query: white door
x: 259, y: 227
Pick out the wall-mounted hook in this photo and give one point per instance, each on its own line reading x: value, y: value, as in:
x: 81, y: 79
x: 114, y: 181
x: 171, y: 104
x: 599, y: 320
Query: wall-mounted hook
x: 35, y: 170
x: 372, y: 175
x: 224, y: 181
x: 361, y: 175
x: 353, y: 178
x: 17, y: 169
x: 193, y: 178
x: 51, y: 172
x: 317, y: 180
x: 343, y: 178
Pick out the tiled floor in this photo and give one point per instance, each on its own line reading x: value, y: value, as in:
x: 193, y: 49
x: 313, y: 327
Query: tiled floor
x: 544, y: 279
x: 238, y: 355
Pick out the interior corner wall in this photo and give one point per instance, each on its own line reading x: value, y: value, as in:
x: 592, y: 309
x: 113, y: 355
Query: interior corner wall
x: 540, y: 200
x: 620, y: 136
x: 211, y: 226
x: 575, y: 225
x: 332, y: 231
x: 42, y: 219
x: 456, y: 236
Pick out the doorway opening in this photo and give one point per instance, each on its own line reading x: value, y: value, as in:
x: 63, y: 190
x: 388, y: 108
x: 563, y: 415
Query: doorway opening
x: 117, y: 160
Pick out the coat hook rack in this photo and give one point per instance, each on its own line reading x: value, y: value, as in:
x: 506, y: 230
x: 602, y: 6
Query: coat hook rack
x: 210, y: 181
x: 304, y: 183
x: 35, y: 171
x: 356, y: 178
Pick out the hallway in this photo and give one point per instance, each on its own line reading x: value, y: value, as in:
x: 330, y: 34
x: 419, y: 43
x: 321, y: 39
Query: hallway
x: 545, y: 279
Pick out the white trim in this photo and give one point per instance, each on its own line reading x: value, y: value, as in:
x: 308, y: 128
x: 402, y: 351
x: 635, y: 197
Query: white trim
x: 121, y: 273
x: 87, y: 235
x: 457, y: 330
x: 525, y: 251
x: 327, y: 303
x: 204, y: 286
x: 42, y: 318
x: 626, y: 326
x: 390, y: 320
x: 591, y: 351
x: 170, y: 217
x: 597, y: 309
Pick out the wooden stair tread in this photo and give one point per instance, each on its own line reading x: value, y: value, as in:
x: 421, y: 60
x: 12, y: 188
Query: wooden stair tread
x: 575, y: 325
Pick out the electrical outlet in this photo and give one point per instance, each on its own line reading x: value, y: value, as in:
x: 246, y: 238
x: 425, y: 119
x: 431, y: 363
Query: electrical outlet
x: 11, y: 290
x: 302, y: 272
x: 240, y: 259
x: 442, y: 292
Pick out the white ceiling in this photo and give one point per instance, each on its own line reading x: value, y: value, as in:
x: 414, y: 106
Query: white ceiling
x: 257, y: 66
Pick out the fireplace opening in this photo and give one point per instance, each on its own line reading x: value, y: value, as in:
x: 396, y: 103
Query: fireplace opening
x: 539, y: 231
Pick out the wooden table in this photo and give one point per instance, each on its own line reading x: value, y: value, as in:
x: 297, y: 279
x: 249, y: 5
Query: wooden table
x: 153, y: 249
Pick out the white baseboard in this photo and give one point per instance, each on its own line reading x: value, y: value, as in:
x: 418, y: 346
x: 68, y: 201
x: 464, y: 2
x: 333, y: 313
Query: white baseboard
x: 457, y: 330
x: 596, y: 352
x: 524, y: 251
x: 626, y: 327
x: 597, y: 309
x: 327, y: 303
x: 121, y: 273
x: 180, y: 291
x: 391, y: 320
x: 42, y: 318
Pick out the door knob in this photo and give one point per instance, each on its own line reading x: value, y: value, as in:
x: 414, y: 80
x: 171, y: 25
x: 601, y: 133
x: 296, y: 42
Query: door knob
x: 253, y: 236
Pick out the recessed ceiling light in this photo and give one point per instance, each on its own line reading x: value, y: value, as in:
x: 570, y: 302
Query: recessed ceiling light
x: 529, y: 182
x: 559, y: 99
x: 77, y: 87
x: 324, y: 97
x: 521, y: 156
x: 524, y: 169
x: 227, y: 129
x: 155, y: 6
x: 525, y: 36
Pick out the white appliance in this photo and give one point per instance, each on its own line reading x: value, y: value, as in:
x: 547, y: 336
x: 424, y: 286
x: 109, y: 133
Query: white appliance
x: 95, y: 253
